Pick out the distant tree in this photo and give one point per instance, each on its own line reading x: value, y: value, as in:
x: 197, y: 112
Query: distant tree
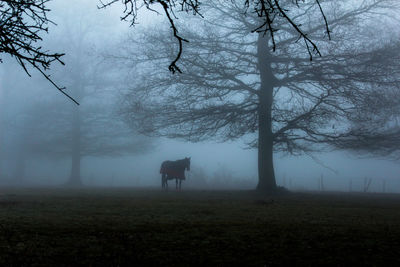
x: 197, y: 177
x: 5, y: 90
x: 93, y: 129
x: 96, y: 132
x: 50, y: 127
x: 2, y: 122
x: 233, y: 85
x: 12, y: 87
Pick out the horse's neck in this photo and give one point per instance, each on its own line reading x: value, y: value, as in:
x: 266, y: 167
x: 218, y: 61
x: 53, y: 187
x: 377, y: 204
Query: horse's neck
x: 180, y: 164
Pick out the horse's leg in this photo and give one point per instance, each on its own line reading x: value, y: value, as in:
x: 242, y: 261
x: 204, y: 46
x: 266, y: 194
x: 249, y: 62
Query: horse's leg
x: 163, y: 180
x: 180, y: 184
x: 176, y: 182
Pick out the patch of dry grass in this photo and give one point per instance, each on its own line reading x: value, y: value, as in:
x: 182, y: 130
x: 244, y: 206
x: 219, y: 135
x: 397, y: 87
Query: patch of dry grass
x: 121, y: 227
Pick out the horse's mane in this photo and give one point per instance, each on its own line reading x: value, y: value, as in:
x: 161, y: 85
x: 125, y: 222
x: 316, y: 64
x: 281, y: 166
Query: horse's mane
x: 179, y: 164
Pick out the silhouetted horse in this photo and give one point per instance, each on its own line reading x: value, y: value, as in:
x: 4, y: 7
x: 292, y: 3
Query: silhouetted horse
x: 174, y: 170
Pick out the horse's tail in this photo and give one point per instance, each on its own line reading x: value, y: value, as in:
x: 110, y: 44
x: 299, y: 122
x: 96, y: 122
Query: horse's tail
x: 162, y: 168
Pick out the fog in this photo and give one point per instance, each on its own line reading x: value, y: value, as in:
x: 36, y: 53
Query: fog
x: 36, y: 123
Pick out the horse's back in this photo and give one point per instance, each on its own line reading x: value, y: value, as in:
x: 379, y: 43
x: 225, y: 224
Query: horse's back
x: 172, y: 169
x: 165, y: 166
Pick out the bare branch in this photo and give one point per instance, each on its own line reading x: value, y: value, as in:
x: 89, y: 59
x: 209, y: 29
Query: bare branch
x: 267, y: 10
x: 21, y: 24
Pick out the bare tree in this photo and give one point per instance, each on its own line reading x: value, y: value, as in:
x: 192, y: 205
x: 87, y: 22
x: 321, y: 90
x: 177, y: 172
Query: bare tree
x: 6, y: 87
x: 54, y: 135
x: 269, y: 12
x: 93, y: 129
x: 21, y: 25
x: 233, y: 85
x: 47, y: 126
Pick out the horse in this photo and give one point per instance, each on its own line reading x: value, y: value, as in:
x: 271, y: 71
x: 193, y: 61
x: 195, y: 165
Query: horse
x: 174, y: 170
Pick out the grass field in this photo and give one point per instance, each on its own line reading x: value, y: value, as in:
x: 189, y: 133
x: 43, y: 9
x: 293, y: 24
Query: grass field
x: 147, y: 227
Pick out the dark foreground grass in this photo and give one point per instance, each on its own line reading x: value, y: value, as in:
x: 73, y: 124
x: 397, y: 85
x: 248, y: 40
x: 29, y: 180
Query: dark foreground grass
x: 132, y: 227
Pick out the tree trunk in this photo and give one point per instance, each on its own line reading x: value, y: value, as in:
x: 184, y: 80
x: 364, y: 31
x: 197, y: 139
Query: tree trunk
x: 75, y: 177
x: 2, y: 127
x: 266, y: 174
x: 5, y: 86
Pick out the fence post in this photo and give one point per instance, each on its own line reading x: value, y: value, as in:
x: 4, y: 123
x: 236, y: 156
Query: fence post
x: 384, y: 186
x: 367, y: 183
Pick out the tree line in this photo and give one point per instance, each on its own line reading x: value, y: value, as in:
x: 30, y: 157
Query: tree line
x: 289, y: 76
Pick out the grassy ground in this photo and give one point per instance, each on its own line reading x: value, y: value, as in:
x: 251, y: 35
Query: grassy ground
x: 124, y: 227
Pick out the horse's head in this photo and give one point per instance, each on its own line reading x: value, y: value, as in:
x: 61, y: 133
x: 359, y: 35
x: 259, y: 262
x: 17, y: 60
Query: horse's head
x: 187, y: 163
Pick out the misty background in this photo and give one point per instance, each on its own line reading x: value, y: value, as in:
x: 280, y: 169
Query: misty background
x: 37, y: 124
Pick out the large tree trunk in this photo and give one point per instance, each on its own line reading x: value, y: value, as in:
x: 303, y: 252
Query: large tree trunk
x: 5, y: 85
x: 75, y: 177
x: 266, y: 174
x: 2, y: 127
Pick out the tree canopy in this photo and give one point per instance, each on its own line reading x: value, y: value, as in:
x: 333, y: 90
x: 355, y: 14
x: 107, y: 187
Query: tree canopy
x: 23, y: 22
x: 270, y: 12
x: 233, y: 84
